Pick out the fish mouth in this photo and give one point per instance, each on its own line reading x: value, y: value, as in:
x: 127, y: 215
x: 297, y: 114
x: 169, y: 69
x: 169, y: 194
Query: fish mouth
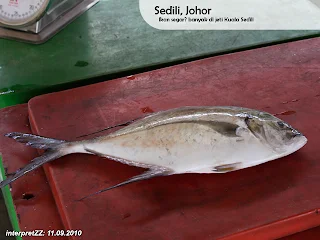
x: 296, y: 133
x: 293, y: 134
x: 298, y: 142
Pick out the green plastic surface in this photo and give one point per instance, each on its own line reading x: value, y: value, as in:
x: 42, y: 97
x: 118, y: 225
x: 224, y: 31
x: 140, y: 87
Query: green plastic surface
x: 111, y: 39
x: 9, y: 202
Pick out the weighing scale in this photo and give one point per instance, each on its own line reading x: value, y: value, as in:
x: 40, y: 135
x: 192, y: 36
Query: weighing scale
x: 36, y: 21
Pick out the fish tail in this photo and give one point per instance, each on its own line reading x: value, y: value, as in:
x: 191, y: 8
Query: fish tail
x: 35, y: 141
x: 53, y: 149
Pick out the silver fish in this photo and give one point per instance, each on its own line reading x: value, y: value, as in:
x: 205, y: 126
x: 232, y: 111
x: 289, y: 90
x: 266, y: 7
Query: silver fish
x: 181, y: 140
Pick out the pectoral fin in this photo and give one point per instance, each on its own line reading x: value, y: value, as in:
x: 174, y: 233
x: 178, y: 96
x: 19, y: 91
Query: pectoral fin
x: 227, y: 167
x: 224, y: 128
x: 146, y: 175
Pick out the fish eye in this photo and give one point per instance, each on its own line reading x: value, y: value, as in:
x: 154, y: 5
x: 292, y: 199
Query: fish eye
x: 281, y: 124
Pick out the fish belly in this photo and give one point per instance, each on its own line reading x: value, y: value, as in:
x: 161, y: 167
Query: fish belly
x: 183, y: 147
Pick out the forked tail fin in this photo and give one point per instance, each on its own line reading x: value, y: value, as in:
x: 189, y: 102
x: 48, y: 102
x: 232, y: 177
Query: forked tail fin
x: 54, y: 149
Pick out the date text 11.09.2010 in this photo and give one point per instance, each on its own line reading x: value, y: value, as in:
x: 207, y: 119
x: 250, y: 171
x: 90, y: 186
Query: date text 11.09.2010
x: 66, y: 233
x: 42, y: 233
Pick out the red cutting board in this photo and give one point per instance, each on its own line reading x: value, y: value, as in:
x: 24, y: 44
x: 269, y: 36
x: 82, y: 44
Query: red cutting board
x: 260, y: 201
x: 311, y: 234
x: 31, y: 211
x: 32, y: 197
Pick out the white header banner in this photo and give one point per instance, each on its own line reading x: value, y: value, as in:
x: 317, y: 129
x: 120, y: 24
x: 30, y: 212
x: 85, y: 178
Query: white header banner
x: 232, y: 14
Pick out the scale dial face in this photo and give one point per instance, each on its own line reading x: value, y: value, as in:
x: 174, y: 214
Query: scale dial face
x: 21, y: 12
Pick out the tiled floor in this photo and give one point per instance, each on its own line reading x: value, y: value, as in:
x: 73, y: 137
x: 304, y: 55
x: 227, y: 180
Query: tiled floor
x: 4, y: 220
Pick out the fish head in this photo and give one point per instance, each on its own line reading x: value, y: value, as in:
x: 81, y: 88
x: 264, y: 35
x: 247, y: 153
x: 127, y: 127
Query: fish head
x: 279, y: 135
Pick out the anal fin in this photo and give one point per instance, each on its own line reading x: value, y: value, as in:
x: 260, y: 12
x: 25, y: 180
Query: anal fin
x: 146, y: 175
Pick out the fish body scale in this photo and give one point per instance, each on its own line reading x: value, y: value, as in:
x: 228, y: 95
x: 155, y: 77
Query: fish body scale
x: 182, y: 147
